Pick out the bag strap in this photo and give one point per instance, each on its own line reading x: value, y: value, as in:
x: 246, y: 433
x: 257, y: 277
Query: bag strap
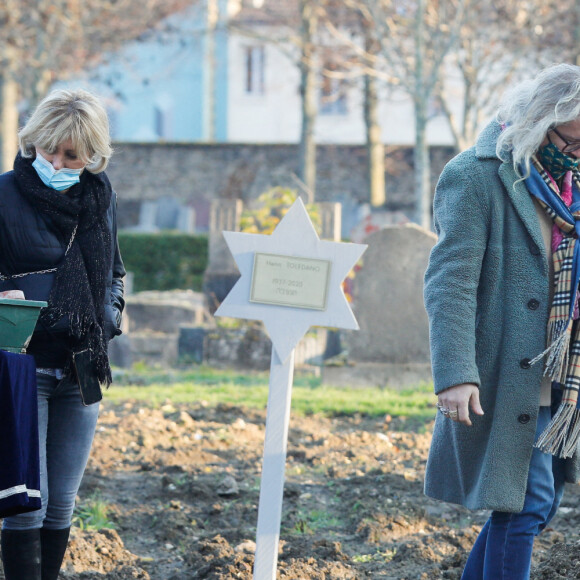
x: 49, y: 270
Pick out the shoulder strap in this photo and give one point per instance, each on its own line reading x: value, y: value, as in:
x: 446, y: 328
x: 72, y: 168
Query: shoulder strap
x: 47, y: 271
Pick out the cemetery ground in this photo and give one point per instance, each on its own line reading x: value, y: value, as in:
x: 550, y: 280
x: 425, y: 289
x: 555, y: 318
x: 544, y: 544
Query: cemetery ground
x: 171, y: 489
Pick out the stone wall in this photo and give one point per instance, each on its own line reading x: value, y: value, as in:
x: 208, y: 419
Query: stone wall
x: 195, y: 174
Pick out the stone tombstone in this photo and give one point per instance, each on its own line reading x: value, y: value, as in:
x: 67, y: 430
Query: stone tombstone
x: 164, y: 311
x: 225, y: 215
x: 353, y: 211
x: 120, y: 354
x: 191, y: 344
x: 388, y: 298
x: 186, y: 220
x: 168, y: 209
x: 374, y: 221
x: 221, y: 273
x: 331, y: 221
x: 165, y: 214
x: 148, y: 217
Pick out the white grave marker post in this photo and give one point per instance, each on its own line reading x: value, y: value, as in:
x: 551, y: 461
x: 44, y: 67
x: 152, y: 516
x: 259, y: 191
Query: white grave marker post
x: 291, y: 280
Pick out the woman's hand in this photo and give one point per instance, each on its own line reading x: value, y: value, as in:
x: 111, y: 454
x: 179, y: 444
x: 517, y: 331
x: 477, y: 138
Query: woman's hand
x: 460, y: 398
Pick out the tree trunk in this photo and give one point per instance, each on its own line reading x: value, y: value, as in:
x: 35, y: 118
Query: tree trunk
x: 210, y: 71
x: 422, y: 163
x: 308, y: 93
x: 375, y: 147
x: 8, y: 122
x: 422, y: 166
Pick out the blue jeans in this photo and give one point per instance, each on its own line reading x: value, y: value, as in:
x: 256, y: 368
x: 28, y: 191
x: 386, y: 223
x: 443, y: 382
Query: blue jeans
x: 503, y: 549
x: 66, y: 429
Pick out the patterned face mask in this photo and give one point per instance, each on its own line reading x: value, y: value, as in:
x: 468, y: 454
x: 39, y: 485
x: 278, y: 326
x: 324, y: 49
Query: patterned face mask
x: 555, y: 162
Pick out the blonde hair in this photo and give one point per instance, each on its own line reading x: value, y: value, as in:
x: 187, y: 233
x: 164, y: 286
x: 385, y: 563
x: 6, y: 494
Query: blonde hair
x: 534, y: 107
x: 69, y: 114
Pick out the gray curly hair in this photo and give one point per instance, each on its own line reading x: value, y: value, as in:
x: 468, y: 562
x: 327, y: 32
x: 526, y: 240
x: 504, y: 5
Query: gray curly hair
x: 532, y: 108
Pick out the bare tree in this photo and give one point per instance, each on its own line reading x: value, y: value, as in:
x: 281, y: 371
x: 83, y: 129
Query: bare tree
x: 416, y: 38
x: 42, y: 41
x: 297, y: 25
x: 456, y: 59
x: 412, y: 39
x: 442, y: 52
x: 555, y: 29
x: 308, y: 85
x: 498, y: 44
x: 375, y: 146
x: 352, y: 26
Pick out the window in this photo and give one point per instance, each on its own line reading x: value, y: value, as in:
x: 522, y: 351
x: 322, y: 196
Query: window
x: 332, y: 93
x: 254, y: 82
x: 163, y: 128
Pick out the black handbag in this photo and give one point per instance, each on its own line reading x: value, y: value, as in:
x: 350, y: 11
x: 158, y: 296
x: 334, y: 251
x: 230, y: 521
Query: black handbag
x: 89, y: 384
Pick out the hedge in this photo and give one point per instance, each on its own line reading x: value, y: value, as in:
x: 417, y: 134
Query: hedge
x: 164, y: 261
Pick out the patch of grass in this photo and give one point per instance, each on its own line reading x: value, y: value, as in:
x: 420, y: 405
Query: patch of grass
x: 93, y: 514
x: 309, y: 396
x: 363, y: 558
x: 302, y: 527
x: 378, y: 556
x: 308, y: 522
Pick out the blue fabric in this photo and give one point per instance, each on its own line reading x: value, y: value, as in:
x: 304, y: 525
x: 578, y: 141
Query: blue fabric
x: 66, y: 430
x: 503, y: 549
x: 539, y: 188
x: 19, y: 454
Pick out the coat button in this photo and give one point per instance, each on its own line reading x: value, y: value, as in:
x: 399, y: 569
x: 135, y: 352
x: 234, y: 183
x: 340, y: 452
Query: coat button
x: 533, y: 304
x: 534, y: 249
x: 525, y: 363
x: 524, y: 418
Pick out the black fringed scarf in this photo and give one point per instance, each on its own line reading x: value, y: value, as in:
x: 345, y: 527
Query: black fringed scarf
x: 78, y: 292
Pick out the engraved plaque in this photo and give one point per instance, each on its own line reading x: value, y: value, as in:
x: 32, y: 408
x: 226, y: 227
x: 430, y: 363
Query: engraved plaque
x: 290, y: 281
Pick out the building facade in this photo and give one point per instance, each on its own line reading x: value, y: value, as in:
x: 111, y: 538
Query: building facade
x: 223, y: 72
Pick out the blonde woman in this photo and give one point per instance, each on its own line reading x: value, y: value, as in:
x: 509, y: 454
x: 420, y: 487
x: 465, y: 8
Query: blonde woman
x: 58, y: 243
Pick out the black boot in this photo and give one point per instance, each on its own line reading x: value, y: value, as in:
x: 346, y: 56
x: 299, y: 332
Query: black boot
x: 21, y: 554
x: 54, y: 543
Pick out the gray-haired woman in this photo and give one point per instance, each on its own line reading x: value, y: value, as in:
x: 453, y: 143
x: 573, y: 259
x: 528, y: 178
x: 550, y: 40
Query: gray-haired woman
x: 501, y: 291
x: 58, y: 243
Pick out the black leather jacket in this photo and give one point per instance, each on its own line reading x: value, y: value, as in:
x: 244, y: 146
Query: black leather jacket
x: 29, y: 242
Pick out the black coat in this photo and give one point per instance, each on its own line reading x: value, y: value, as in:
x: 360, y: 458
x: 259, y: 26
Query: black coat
x: 30, y: 242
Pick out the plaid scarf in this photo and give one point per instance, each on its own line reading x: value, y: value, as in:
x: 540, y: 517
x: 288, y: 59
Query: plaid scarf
x: 563, y: 353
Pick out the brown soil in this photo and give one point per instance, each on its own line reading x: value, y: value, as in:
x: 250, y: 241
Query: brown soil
x: 183, y: 483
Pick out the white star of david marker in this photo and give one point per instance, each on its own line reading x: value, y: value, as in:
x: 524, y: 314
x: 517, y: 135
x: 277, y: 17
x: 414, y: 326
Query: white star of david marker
x: 292, y: 251
x: 294, y: 236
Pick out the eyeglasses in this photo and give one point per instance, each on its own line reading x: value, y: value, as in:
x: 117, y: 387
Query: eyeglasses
x: 571, y: 145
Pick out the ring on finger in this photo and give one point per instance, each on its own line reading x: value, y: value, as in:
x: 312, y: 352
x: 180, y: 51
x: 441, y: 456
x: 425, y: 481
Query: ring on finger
x: 453, y: 414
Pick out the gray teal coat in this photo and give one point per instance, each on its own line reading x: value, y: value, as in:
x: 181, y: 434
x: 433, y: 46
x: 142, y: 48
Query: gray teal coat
x: 486, y: 294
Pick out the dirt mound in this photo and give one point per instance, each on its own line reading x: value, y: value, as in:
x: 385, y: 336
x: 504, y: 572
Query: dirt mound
x: 183, y: 482
x: 561, y: 563
x: 103, y: 554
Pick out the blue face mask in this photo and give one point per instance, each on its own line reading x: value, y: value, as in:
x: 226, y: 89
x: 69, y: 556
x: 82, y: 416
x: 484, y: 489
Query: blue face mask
x: 59, y: 180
